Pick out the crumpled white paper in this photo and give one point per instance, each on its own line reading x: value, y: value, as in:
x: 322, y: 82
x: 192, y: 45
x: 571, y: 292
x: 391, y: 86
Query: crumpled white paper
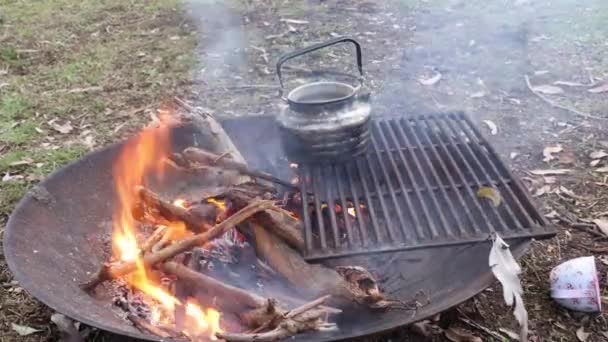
x: 507, y: 270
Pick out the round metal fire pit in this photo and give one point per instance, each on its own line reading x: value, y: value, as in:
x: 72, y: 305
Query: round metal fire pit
x: 53, y: 242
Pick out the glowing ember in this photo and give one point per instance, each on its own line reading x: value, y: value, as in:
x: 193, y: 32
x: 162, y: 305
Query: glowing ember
x: 141, y: 158
x: 351, y: 212
x: 180, y: 203
x: 218, y: 203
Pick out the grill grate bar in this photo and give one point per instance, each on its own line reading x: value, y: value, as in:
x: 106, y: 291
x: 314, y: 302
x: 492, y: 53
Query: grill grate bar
x: 419, y: 193
x: 359, y: 215
x: 444, y: 168
x: 305, y: 209
x: 529, y: 220
x: 331, y: 205
x: 472, y: 196
x: 470, y: 169
x: 421, y: 174
x: 434, y: 173
x: 343, y: 202
x: 425, y: 179
x: 437, y: 188
x: 403, y: 191
x: 374, y: 176
x: 318, y: 209
x: 392, y: 192
x: 475, y: 156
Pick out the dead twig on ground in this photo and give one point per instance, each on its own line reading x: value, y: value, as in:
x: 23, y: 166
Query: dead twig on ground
x: 598, y: 250
x: 557, y: 105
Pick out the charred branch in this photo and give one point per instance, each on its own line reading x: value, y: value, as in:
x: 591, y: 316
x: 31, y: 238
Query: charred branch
x: 311, y: 279
x: 200, y: 156
x: 196, y: 221
x: 278, y: 221
x: 116, y: 270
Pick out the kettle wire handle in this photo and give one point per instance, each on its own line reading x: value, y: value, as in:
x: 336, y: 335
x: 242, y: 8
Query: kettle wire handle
x: 318, y: 46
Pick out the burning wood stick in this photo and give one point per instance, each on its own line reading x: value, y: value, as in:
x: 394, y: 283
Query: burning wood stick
x: 197, y: 155
x: 278, y: 221
x: 233, y: 298
x: 107, y: 272
x: 171, y: 212
x: 153, y: 239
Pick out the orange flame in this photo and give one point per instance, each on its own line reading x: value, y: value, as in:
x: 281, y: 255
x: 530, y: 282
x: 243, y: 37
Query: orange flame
x: 140, y: 158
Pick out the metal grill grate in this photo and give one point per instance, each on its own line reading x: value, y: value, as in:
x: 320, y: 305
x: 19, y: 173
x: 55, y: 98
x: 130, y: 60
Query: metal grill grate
x: 415, y: 188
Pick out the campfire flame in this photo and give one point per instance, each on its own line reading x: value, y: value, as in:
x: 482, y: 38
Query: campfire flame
x: 139, y: 159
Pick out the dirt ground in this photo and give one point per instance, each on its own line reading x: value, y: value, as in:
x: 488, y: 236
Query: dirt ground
x: 77, y: 75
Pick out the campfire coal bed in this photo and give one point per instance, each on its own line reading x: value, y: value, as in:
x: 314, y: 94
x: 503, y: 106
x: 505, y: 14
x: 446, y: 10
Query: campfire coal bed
x: 406, y: 211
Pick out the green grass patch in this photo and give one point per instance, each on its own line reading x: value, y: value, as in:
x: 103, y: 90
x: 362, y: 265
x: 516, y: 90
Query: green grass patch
x: 18, y: 133
x: 11, y: 193
x: 13, y: 105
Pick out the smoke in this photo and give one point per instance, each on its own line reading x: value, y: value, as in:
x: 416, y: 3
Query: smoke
x: 221, y: 39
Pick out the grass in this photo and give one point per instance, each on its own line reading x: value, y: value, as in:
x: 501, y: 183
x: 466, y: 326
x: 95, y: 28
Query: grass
x: 134, y: 53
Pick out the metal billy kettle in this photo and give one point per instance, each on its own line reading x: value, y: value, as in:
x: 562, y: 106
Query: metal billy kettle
x: 325, y: 120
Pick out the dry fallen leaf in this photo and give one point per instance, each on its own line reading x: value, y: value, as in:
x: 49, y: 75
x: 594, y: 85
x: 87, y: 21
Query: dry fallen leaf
x: 599, y: 89
x: 542, y: 190
x: 598, y: 154
x: 602, y: 224
x: 491, y: 194
x: 510, y: 333
x: 582, y: 335
x: 550, y: 172
x: 24, y: 161
x: 566, y: 158
x: 548, y: 89
x: 295, y: 21
x: 594, y: 162
x: 63, y: 129
x: 513, y: 155
x: 459, y: 335
x: 477, y: 94
x: 24, y: 330
x: 551, y: 215
x: 492, y: 126
x: 550, y: 180
x: 430, y: 81
x: 602, y: 169
x: 568, y: 83
x: 549, y: 150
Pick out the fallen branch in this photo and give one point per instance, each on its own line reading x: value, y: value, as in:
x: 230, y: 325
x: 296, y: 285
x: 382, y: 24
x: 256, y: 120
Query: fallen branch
x: 197, y: 155
x: 108, y: 272
x: 557, y: 105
